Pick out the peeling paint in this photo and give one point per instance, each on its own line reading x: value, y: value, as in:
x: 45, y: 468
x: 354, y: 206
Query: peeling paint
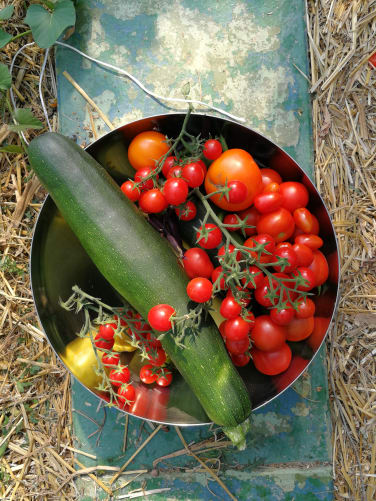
x: 269, y: 424
x: 300, y: 409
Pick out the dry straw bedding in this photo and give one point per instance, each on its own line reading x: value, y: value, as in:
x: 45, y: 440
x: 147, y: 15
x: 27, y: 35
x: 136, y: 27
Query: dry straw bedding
x: 36, y: 456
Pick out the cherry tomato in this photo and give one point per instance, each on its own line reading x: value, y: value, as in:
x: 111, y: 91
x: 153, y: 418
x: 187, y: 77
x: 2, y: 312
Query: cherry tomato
x: 294, y: 195
x: 146, y: 149
x: 200, y: 289
x: 252, y: 217
x: 254, y: 279
x: 107, y: 331
x: 270, y: 176
x: 159, y: 317
x: 314, y: 242
x: 236, y: 329
x: 274, y: 362
x: 130, y: 190
x: 233, y: 165
x: 222, y: 251
x: 152, y: 201
x: 267, y: 255
x: 306, y: 221
x: 110, y: 360
x: 299, y: 329
x: 165, y: 378
x: 304, y: 254
x: 243, y: 297
x: 193, y: 174
x: 156, y: 356
x: 321, y: 325
x: 187, y: 211
x: 120, y: 375
x: 306, y: 308
x: 271, y: 188
x: 279, y: 224
x: 283, y: 316
x: 175, y: 191
x: 319, y: 267
x: 175, y: 172
x: 147, y: 374
x: 231, y: 219
x: 332, y: 260
x: 230, y: 308
x: 250, y: 318
x: 212, y: 149
x: 288, y: 254
x: 215, y: 275
x: 240, y: 360
x: 209, y: 237
x: 197, y: 263
x: 238, y: 192
x: 237, y: 347
x: 262, y: 293
x: 139, y: 177
x: 168, y: 164
x: 221, y: 329
x: 202, y: 164
x: 126, y: 395
x: 268, y: 202
x: 104, y: 344
x: 267, y: 335
x: 309, y: 277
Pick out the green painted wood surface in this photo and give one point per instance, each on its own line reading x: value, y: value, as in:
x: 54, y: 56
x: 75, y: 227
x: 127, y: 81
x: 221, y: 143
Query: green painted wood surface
x: 242, y: 56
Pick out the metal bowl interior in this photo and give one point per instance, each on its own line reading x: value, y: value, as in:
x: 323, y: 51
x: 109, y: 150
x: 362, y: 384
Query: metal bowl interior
x: 59, y: 262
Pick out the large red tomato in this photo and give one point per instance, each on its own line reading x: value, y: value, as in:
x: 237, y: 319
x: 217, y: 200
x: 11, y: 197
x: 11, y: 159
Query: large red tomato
x: 233, y: 165
x: 146, y: 149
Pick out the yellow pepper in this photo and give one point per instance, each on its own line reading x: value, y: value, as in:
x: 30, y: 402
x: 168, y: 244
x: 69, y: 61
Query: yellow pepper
x: 123, y: 341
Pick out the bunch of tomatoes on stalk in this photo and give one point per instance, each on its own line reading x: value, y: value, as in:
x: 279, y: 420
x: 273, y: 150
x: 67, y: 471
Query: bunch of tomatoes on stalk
x: 256, y: 256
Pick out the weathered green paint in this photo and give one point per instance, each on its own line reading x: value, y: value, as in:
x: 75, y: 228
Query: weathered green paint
x: 241, y: 56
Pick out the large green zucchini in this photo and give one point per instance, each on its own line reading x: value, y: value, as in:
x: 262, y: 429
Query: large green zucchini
x: 139, y: 264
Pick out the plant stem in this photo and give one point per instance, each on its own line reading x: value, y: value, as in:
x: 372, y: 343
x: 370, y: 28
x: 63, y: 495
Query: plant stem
x: 24, y: 33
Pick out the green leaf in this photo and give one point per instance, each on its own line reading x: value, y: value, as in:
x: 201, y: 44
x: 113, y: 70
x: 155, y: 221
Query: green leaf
x: 5, y: 78
x: 4, y: 38
x: 7, y: 12
x: 11, y: 148
x: 25, y: 120
x: 48, y: 26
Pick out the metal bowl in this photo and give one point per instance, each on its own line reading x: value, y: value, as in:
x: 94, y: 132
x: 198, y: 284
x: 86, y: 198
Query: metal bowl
x: 58, y: 262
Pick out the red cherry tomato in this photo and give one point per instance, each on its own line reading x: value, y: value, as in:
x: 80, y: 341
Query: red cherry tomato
x: 126, y: 395
x: 175, y: 172
x: 319, y: 267
x: 222, y: 252
x: 230, y: 308
x: 262, y: 293
x: 197, y: 263
x: 274, y: 362
x: 294, y: 195
x: 130, y: 190
x: 309, y: 277
x: 270, y: 176
x: 140, y: 176
x: 269, y: 246
x: 216, y: 274
x: 175, y: 191
x: 283, y: 316
x: 159, y: 317
x: 120, y: 375
x: 279, y: 224
x: 107, y: 331
x: 236, y: 329
x: 268, y: 202
x: 200, y: 289
x: 212, y: 149
x: 104, y: 344
x: 238, y: 192
x: 288, y: 254
x: 243, y: 297
x: 147, y: 374
x: 194, y: 174
x: 156, y: 356
x: 252, y: 217
x: 267, y: 335
x: 152, y: 201
x: 254, y: 279
x: 271, y: 188
x: 306, y: 308
x: 231, y: 219
x: 306, y: 221
x: 240, y: 360
x: 146, y: 149
x: 202, y: 164
x: 209, y: 237
x: 299, y: 329
x: 304, y: 254
x: 237, y: 347
x: 187, y: 211
x: 168, y: 164
x: 314, y: 242
x: 165, y: 378
x: 111, y: 360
